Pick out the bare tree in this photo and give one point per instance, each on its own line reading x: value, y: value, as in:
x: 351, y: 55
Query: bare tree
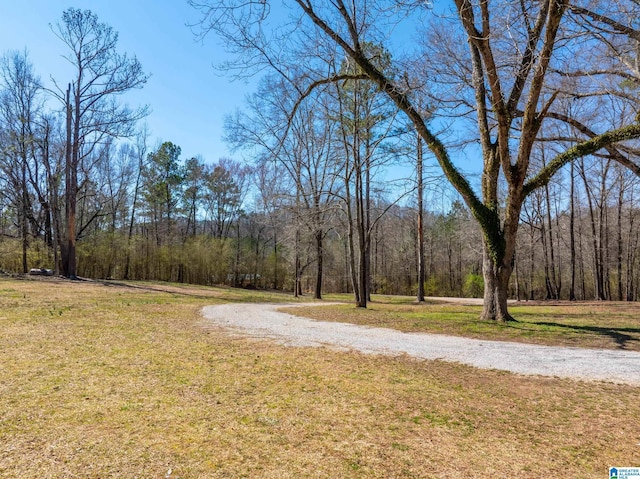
x: 90, y: 102
x: 19, y: 106
x: 365, y: 122
x: 138, y: 154
x: 306, y: 154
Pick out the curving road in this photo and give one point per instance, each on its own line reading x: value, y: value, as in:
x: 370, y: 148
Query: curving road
x: 264, y: 321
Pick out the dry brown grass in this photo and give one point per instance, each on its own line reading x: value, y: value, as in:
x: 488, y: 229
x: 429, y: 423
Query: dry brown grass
x: 118, y: 381
x: 603, y: 325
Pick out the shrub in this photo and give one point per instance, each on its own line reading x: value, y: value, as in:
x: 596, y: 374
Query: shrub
x: 473, y: 286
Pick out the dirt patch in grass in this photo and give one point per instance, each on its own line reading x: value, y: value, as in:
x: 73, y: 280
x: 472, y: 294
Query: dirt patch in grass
x: 603, y: 325
x: 115, y: 381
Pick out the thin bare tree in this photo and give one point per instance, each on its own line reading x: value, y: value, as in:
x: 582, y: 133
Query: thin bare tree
x: 91, y: 104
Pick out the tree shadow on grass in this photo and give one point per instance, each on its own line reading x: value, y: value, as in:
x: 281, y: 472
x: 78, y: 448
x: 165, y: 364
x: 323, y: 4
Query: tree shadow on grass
x: 222, y: 293
x: 158, y: 289
x: 621, y: 336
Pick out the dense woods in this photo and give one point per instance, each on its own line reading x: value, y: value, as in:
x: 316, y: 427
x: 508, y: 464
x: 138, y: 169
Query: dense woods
x: 341, y: 190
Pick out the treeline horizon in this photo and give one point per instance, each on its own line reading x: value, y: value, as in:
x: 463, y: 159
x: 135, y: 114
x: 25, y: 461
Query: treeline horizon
x: 204, y: 232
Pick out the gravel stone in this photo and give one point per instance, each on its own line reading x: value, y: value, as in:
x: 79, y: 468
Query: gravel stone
x: 262, y: 320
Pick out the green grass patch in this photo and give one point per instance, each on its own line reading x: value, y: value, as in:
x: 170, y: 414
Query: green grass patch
x: 581, y: 324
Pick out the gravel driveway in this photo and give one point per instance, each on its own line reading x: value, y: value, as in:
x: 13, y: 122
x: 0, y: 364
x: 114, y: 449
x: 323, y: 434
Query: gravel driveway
x: 264, y: 321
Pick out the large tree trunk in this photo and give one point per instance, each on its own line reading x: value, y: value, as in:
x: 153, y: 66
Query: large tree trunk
x: 496, y: 283
x: 361, y: 226
x: 350, y: 241
x: 70, y: 248
x: 421, y: 265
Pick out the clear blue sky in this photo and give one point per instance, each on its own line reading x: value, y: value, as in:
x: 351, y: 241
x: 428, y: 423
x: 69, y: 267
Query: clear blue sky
x: 187, y: 97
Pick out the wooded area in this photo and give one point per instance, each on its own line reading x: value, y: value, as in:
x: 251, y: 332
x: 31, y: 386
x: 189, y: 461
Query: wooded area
x: 352, y: 183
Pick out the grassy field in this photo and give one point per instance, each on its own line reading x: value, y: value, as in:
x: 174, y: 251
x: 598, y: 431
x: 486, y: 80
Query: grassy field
x: 602, y: 325
x: 122, y: 380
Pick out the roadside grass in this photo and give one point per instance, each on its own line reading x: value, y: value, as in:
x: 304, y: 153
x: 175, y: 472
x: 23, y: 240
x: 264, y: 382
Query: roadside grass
x: 604, y: 325
x: 124, y: 381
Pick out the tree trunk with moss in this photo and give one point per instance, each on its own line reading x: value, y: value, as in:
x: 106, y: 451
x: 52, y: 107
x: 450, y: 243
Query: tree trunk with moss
x: 496, y: 287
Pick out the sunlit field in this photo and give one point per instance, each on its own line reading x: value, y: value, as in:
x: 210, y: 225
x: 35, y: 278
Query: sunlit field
x: 122, y: 380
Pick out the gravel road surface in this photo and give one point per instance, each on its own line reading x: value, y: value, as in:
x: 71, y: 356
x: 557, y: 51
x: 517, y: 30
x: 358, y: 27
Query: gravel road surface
x: 262, y: 320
